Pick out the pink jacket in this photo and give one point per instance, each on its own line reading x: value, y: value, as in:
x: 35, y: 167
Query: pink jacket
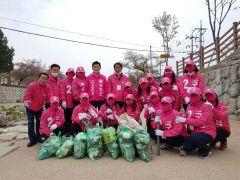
x: 90, y: 120
x: 103, y: 114
x: 220, y: 117
x: 200, y: 119
x: 77, y: 88
x: 135, y: 115
x: 37, y: 95
x: 175, y: 96
x: 187, y: 83
x: 66, y: 92
x: 115, y: 86
x: 49, y: 118
x: 169, y: 126
x: 143, y: 99
x: 96, y: 87
x: 54, y: 85
x: 130, y: 91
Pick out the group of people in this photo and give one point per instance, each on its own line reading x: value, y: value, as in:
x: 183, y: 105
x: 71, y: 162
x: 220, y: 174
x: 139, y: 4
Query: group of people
x: 72, y: 101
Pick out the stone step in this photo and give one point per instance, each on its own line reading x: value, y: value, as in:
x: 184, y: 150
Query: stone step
x: 6, y: 150
x: 20, y: 129
x: 8, y: 136
x: 6, y: 144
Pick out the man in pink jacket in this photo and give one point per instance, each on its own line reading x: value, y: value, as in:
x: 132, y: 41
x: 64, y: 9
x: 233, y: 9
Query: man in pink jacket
x: 116, y: 83
x: 36, y: 94
x: 96, y: 86
x: 67, y: 98
x: 52, y: 119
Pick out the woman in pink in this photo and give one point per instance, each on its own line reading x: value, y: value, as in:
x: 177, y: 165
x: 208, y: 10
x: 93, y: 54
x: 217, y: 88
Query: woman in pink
x: 220, y: 117
x: 130, y: 107
x: 168, y: 72
x: 128, y: 89
x: 52, y: 119
x: 108, y: 112
x: 152, y: 82
x: 83, y: 112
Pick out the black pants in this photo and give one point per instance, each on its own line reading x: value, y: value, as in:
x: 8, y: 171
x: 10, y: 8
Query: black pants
x: 97, y: 104
x: 76, y: 103
x: 120, y: 103
x: 151, y: 130
x: 115, y: 126
x: 185, y: 107
x: 56, y: 131
x: 75, y: 129
x: 68, y: 121
x: 175, y: 141
x: 221, y: 136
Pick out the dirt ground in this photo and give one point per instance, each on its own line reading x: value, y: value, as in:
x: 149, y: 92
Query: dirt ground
x: 222, y: 165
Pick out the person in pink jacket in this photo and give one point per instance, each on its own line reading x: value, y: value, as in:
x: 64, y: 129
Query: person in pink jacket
x: 54, y: 82
x: 152, y: 82
x: 78, y: 85
x: 189, y: 80
x: 170, y: 132
x: 52, y: 119
x: 200, y: 120
x: 109, y: 111
x: 36, y: 94
x: 168, y: 72
x: 167, y: 89
x: 130, y: 107
x: 116, y: 83
x: 220, y: 117
x: 128, y: 89
x: 66, y: 97
x: 83, y: 112
x: 96, y: 86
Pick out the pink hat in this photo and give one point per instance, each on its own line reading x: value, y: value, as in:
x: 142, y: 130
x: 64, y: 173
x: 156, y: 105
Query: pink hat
x: 84, y: 95
x: 168, y: 68
x: 70, y: 70
x: 128, y: 84
x: 129, y: 96
x: 190, y: 62
x: 166, y: 99
x: 149, y: 75
x: 195, y: 91
x: 165, y: 79
x: 153, y: 93
x: 80, y: 69
x: 210, y: 91
x: 143, y: 80
x: 110, y: 96
x: 54, y: 99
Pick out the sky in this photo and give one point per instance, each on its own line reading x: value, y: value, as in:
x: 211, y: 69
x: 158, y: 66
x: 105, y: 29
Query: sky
x: 125, y: 20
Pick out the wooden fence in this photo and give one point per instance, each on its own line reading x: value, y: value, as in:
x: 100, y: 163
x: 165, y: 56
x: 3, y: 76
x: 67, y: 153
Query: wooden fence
x: 213, y: 53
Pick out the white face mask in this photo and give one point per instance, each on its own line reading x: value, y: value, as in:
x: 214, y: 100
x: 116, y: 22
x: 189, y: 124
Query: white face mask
x: 55, y: 74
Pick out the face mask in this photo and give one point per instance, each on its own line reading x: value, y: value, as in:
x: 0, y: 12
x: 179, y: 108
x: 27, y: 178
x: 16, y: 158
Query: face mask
x: 84, y: 102
x: 166, y: 107
x: 144, y: 86
x: 165, y: 88
x: 190, y: 69
x: 169, y: 75
x: 110, y: 101
x: 80, y: 75
x: 54, y: 107
x: 155, y: 100
x: 70, y: 75
x: 211, y: 98
x: 195, y: 99
x: 55, y: 74
x: 129, y: 103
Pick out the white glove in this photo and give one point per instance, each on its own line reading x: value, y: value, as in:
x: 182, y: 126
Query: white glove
x: 151, y: 110
x: 82, y: 116
x: 52, y: 134
x: 109, y: 111
x: 53, y: 127
x: 180, y: 119
x: 145, y: 106
x: 175, y: 88
x: 187, y: 100
x: 64, y: 104
x: 110, y: 117
x: 27, y: 103
x: 92, y: 112
x: 160, y: 89
x: 157, y: 119
x: 159, y: 132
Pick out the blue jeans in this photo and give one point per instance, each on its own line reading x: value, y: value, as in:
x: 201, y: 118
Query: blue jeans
x: 198, y: 140
x: 31, y: 114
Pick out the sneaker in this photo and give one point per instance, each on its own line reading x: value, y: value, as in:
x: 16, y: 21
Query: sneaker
x: 31, y: 143
x: 205, y: 156
x: 182, y: 152
x: 223, y: 145
x: 40, y: 140
x: 166, y: 147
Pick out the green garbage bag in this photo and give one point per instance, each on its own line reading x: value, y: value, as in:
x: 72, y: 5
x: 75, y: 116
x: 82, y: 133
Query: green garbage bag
x: 80, y: 145
x: 110, y: 139
x: 143, y: 145
x: 126, y: 144
x: 49, y: 147
x: 66, y: 148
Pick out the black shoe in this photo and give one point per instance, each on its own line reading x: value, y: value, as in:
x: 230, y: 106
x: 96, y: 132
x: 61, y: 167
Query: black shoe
x: 31, y: 143
x: 40, y: 140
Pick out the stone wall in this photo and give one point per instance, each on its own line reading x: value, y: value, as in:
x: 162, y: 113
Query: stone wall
x: 225, y: 79
x: 11, y: 93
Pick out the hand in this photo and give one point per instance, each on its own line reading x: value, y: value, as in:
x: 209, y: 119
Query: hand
x: 145, y: 106
x: 151, y: 110
x: 27, y: 103
x: 110, y: 117
x: 64, y: 104
x: 159, y: 132
x: 157, y: 119
x: 52, y: 134
x: 109, y: 111
x: 92, y: 112
x: 53, y: 127
x: 160, y: 89
x: 82, y: 116
x: 175, y: 88
x: 187, y: 100
x: 180, y: 119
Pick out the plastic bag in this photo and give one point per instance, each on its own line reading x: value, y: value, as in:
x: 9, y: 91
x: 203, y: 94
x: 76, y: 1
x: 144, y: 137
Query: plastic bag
x: 65, y: 149
x: 110, y: 139
x: 49, y: 147
x: 143, y: 145
x: 80, y: 145
x: 126, y: 144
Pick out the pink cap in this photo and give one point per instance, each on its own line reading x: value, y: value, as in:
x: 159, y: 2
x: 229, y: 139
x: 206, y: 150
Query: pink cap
x: 190, y: 62
x: 149, y: 75
x: 195, y: 91
x: 153, y: 93
x: 129, y: 96
x: 168, y: 68
x: 165, y: 79
x: 84, y: 95
x: 128, y: 84
x: 143, y: 80
x: 70, y: 70
x: 110, y: 96
x: 166, y: 99
x: 54, y: 99
x: 80, y: 69
x: 210, y: 91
